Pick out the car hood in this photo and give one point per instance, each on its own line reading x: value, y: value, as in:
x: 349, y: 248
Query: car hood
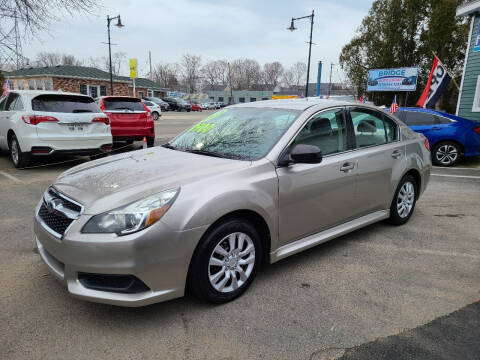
x: 111, y: 182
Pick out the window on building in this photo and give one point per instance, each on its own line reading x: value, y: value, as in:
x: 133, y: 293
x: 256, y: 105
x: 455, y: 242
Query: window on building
x: 31, y: 85
x: 150, y: 93
x: 83, y: 89
x: 140, y: 94
x: 39, y: 84
x: 20, y: 85
x: 11, y: 85
x: 252, y: 99
x: 476, y: 99
x: 242, y: 99
x: 230, y: 100
x: 103, y: 90
x: 265, y: 98
x: 48, y: 84
x: 93, y: 91
x: 220, y: 98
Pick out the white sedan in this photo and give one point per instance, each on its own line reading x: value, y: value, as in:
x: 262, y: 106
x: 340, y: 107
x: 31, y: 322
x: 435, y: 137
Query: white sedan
x: 155, y: 109
x: 43, y: 123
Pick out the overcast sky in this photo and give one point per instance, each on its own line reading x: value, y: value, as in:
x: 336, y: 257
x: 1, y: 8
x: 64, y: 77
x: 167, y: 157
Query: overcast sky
x: 224, y: 29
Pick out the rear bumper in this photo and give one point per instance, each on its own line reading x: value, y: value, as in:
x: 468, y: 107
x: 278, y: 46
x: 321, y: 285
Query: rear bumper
x: 133, y: 134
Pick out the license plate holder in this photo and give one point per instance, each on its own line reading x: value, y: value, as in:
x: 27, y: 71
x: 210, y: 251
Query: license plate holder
x: 76, y: 127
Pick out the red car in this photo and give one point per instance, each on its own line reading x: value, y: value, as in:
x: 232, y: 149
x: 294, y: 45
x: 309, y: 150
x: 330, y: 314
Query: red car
x: 195, y: 106
x: 130, y: 120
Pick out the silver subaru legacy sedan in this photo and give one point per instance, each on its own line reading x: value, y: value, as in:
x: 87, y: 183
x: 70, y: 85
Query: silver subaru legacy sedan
x: 250, y: 183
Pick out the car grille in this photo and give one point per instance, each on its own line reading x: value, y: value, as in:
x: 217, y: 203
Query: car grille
x: 57, y: 212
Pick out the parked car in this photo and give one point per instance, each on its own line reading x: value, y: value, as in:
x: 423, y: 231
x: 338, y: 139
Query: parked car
x: 450, y: 136
x: 163, y: 104
x: 205, y: 106
x: 255, y: 182
x: 195, y: 106
x: 42, y: 123
x: 178, y: 104
x: 154, y: 109
x: 130, y: 119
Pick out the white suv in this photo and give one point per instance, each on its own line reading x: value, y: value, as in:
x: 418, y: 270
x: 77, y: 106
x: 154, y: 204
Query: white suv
x: 41, y: 123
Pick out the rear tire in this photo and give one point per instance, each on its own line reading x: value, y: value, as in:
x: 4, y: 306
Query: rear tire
x: 150, y: 142
x: 19, y: 158
x: 226, y: 261
x: 403, y: 203
x: 446, y: 153
x: 155, y: 116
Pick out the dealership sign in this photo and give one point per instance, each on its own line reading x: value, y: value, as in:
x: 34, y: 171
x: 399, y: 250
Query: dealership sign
x: 401, y: 79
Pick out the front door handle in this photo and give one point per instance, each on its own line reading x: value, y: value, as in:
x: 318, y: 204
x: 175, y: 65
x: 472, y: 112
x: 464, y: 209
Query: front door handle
x: 347, y: 167
x: 396, y: 154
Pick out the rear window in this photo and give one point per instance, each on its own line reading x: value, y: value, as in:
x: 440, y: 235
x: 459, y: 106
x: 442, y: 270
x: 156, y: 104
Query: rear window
x: 65, y: 104
x: 123, y: 104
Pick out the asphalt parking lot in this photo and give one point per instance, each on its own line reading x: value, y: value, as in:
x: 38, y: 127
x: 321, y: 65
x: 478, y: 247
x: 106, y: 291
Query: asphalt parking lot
x: 373, y: 283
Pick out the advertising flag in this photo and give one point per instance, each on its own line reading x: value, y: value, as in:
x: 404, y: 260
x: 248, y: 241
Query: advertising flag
x: 5, y: 88
x: 133, y: 68
x: 394, y: 106
x: 436, y: 85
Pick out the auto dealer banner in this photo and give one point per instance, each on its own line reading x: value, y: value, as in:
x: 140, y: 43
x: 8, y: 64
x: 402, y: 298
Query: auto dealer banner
x: 436, y: 85
x: 401, y: 79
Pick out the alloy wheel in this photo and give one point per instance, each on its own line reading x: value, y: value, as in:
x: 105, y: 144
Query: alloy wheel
x: 231, y: 262
x: 446, y: 154
x: 405, y: 199
x: 14, y: 151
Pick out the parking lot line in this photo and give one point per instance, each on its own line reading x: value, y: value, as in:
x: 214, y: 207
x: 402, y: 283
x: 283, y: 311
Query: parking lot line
x: 457, y: 176
x: 11, y: 177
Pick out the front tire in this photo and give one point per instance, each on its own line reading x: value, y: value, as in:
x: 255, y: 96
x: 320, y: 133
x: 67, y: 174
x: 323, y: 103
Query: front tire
x: 19, y: 158
x: 404, y: 201
x: 446, y: 153
x: 226, y: 261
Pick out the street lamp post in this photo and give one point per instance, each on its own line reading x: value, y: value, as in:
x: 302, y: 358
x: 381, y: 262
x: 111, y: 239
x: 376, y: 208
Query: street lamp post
x: 293, y: 28
x: 120, y: 25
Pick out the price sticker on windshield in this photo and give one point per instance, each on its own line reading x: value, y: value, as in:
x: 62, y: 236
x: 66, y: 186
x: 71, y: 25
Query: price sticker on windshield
x: 202, y: 128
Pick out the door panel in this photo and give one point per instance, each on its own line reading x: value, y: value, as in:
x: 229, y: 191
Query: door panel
x: 380, y: 157
x: 314, y: 197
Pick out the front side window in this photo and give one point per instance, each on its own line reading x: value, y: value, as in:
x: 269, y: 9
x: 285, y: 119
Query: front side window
x: 237, y: 133
x: 11, y: 101
x: 372, y: 128
x: 326, y: 130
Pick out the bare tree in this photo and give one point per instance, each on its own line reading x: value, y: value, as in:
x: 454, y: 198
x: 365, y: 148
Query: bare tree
x: 190, y: 66
x: 21, y: 19
x: 272, y: 73
x: 288, y: 78
x: 299, y: 70
x: 44, y: 58
x: 214, y: 73
x: 166, y: 74
x: 118, y: 59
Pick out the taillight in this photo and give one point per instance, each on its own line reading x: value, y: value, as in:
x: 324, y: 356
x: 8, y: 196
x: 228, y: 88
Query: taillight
x: 104, y: 120
x: 427, y: 144
x: 477, y: 130
x: 35, y: 119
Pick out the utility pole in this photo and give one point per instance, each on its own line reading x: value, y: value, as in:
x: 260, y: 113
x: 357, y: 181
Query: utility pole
x: 150, y: 60
x: 330, y: 84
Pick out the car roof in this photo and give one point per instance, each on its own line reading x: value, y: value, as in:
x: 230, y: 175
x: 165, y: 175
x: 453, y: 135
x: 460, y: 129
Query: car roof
x: 298, y: 104
x: 45, y: 92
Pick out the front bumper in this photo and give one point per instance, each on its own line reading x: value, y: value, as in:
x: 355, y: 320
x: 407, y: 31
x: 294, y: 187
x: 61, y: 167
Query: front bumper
x: 158, y: 256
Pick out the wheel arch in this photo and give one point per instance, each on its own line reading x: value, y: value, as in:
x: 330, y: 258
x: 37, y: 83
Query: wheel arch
x: 418, y: 179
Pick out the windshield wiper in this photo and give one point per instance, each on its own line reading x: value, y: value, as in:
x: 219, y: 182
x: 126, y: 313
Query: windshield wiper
x: 169, y: 146
x: 122, y: 108
x: 204, y: 152
x: 76, y: 111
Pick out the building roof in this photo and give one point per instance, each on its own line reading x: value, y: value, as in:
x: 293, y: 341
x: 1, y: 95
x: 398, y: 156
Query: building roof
x: 468, y: 8
x: 80, y: 72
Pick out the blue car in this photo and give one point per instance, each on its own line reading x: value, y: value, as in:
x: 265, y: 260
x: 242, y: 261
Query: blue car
x: 450, y: 136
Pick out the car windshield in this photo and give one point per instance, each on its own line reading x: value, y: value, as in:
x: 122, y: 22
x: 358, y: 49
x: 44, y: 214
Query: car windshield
x: 65, y: 104
x: 236, y: 133
x: 123, y: 104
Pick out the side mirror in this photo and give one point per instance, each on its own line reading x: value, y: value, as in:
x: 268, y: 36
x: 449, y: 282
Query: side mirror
x: 306, y: 154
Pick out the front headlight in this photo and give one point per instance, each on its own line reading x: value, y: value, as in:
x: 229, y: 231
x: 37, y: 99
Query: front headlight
x: 132, y: 217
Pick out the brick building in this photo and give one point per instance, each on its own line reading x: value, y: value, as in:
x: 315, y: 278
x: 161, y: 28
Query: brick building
x: 80, y: 79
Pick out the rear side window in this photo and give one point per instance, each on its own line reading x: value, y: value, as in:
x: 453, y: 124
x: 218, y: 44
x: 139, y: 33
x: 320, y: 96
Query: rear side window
x: 123, y: 104
x: 372, y: 128
x: 414, y: 118
x: 443, y: 120
x: 65, y: 104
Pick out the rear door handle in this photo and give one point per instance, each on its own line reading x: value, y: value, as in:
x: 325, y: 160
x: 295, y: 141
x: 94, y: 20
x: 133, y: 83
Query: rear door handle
x: 396, y: 154
x: 347, y: 167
